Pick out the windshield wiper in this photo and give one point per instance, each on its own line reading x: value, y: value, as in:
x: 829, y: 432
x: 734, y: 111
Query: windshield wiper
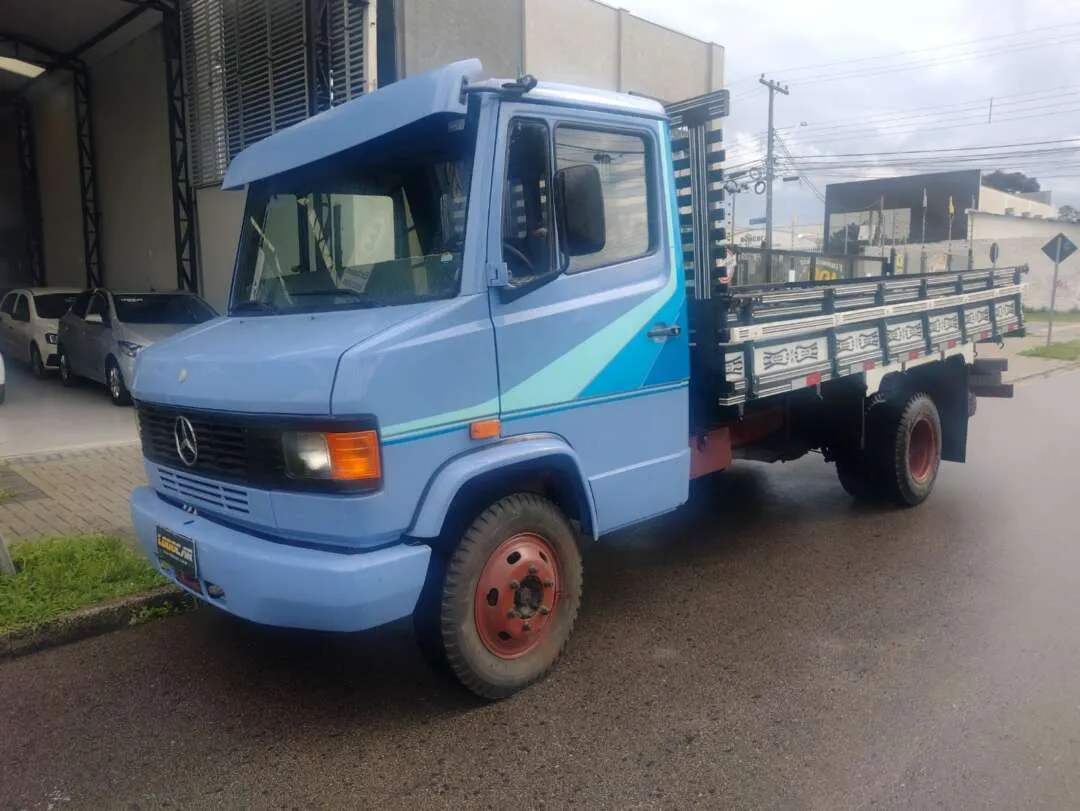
x: 255, y: 306
x: 363, y: 299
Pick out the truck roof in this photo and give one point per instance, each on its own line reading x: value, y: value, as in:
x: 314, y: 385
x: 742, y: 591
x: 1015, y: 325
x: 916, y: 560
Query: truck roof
x: 369, y: 116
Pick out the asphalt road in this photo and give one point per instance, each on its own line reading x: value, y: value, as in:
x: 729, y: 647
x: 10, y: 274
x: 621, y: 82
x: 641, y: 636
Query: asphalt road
x: 771, y: 646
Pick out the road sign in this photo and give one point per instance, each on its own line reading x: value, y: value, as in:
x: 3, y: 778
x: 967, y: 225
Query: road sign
x: 995, y: 252
x: 758, y: 220
x: 1059, y: 248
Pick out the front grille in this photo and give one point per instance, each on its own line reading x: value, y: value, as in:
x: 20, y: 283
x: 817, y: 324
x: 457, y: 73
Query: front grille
x: 228, y: 447
x: 188, y: 488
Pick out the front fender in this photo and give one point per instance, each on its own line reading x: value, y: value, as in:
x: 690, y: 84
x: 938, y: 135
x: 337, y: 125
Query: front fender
x: 513, y: 452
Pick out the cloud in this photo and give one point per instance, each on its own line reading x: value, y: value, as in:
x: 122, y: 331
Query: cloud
x: 935, y: 102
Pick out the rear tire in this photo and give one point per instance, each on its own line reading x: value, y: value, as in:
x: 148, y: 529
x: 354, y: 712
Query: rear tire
x: 907, y: 451
x: 63, y: 363
x: 499, y: 614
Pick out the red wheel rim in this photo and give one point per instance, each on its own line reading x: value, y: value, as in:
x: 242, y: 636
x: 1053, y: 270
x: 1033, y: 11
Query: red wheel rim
x: 922, y: 449
x: 517, y: 596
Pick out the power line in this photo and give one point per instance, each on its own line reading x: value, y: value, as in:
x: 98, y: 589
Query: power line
x: 999, y: 100
x: 910, y: 130
x: 958, y: 148
x: 896, y: 54
x: 933, y: 63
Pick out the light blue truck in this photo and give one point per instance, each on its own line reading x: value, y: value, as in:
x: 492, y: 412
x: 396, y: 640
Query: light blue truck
x: 475, y: 324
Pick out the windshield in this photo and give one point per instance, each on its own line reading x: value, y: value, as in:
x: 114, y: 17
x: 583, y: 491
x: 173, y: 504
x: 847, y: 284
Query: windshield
x: 353, y: 234
x: 53, y: 305
x: 162, y: 308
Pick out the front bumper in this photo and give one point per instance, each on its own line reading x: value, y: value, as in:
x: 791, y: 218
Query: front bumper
x: 289, y: 586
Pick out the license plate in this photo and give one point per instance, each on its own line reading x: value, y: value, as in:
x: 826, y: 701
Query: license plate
x: 178, y: 553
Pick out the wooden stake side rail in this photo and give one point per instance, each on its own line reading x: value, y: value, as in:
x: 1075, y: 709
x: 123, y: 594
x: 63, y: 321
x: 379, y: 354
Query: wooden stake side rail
x: 845, y: 328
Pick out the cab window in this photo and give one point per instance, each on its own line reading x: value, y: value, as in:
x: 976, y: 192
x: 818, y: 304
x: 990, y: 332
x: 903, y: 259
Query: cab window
x: 527, y: 247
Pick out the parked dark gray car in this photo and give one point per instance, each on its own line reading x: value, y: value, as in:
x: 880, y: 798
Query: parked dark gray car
x: 104, y: 331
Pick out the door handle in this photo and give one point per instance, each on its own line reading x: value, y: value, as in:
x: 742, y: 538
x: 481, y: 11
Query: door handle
x: 665, y: 331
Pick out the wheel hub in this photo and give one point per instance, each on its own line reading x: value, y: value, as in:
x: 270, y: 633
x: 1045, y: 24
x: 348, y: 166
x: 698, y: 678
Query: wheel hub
x: 517, y: 595
x: 922, y: 450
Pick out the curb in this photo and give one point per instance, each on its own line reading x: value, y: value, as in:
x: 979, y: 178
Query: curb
x: 74, y: 452
x: 1065, y: 367
x: 85, y: 623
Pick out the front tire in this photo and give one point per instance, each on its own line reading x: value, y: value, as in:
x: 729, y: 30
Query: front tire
x: 508, y: 598
x: 114, y: 383
x: 63, y: 362
x: 37, y: 365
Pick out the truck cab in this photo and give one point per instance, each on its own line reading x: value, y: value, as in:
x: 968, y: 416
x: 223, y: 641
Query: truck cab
x: 445, y: 293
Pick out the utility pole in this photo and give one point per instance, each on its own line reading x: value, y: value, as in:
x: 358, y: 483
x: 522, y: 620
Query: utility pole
x: 770, y: 170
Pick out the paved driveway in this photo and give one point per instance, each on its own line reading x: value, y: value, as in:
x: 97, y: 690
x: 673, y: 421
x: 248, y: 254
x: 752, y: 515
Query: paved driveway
x: 42, y: 417
x: 769, y: 646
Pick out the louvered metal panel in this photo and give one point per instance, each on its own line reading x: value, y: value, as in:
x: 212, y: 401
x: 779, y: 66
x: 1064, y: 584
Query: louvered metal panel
x: 348, y: 21
x: 250, y: 68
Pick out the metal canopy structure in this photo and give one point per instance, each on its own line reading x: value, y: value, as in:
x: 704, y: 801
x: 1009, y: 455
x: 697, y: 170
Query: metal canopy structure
x: 57, y: 35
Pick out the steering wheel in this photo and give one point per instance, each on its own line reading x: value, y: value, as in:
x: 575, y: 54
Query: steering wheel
x: 519, y: 256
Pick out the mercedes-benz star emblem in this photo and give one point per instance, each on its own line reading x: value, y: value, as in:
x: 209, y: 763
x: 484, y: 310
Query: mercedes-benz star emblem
x: 187, y: 447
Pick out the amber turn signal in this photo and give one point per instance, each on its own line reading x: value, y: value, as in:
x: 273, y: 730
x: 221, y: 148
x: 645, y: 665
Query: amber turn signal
x: 354, y: 456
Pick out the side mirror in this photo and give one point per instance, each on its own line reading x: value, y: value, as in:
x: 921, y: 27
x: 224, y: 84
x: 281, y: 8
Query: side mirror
x: 579, y: 200
x: 93, y: 318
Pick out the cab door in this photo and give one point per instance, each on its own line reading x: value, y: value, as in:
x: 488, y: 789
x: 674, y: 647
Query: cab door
x: 590, y: 324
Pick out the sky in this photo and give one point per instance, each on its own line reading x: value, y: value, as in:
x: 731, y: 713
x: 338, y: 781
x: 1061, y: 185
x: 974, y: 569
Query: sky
x: 882, y: 89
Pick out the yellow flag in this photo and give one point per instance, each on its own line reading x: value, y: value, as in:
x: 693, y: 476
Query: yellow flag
x: 952, y: 209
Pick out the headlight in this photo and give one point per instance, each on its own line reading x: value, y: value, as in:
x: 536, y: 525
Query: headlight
x: 128, y: 348
x: 343, y: 457
x: 50, y: 338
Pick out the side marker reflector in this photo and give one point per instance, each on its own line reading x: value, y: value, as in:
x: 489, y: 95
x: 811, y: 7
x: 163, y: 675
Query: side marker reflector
x: 485, y: 429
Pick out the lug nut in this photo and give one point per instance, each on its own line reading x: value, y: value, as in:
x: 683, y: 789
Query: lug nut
x: 511, y: 614
x: 549, y: 584
x: 545, y: 610
x: 515, y: 585
x: 526, y: 627
x: 532, y: 568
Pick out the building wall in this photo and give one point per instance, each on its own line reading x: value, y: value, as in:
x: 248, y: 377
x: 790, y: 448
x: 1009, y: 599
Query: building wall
x: 53, y: 116
x: 591, y: 43
x: 133, y: 166
x: 10, y: 182
x: 220, y: 214
x: 13, y: 267
x: 433, y: 34
x: 587, y: 30
x: 1020, y: 241
x: 993, y: 201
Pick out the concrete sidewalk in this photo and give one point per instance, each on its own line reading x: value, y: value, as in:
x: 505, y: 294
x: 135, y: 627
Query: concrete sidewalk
x: 87, y: 491
x: 1022, y: 367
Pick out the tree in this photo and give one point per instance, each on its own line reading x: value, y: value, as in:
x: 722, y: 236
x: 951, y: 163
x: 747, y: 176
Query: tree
x: 1011, y: 182
x: 1068, y: 213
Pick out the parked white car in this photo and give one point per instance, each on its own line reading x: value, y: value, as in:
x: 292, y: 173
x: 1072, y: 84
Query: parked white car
x: 29, y: 325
